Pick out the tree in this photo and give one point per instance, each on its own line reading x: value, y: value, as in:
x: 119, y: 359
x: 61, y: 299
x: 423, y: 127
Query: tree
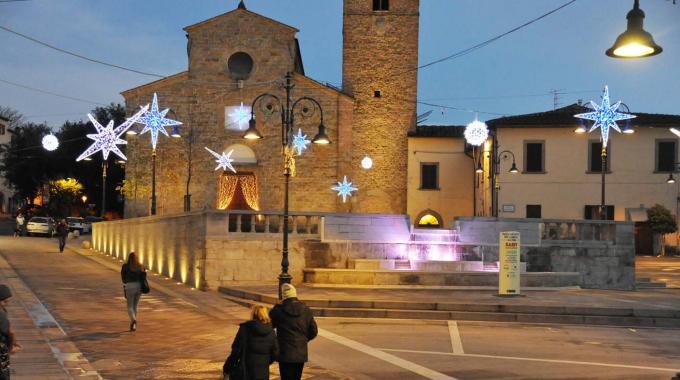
x: 16, y: 119
x: 64, y: 195
x: 661, y: 222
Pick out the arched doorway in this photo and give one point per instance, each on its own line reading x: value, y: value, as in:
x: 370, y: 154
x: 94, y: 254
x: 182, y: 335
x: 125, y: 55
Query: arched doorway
x: 238, y: 191
x: 429, y: 219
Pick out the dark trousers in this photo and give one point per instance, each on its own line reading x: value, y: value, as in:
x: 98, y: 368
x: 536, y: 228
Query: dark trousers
x: 291, y: 371
x: 62, y: 243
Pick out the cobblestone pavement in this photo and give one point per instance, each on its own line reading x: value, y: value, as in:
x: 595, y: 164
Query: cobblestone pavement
x: 182, y: 333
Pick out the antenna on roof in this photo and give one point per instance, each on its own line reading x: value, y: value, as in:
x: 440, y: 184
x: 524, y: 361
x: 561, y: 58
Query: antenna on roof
x: 423, y: 117
x: 556, y: 97
x: 241, y: 5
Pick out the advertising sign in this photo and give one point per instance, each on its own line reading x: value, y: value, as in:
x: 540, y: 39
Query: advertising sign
x: 509, y: 267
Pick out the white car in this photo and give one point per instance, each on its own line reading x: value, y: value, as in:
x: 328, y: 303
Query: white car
x: 79, y: 224
x: 39, y: 225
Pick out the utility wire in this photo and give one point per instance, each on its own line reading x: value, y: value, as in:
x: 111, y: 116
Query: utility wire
x: 11, y: 1
x: 78, y: 55
x: 49, y: 92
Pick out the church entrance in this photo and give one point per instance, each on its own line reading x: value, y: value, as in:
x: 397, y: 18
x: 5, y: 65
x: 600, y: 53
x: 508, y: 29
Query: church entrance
x: 237, y: 191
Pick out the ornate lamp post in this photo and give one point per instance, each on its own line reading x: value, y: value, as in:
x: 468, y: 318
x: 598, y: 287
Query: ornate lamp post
x: 496, y: 172
x: 287, y: 110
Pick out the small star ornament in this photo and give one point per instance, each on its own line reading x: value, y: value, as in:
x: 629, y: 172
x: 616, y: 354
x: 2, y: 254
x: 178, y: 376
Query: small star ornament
x: 223, y: 160
x: 154, y: 121
x: 344, y: 189
x: 108, y: 138
x: 300, y: 142
x: 605, y: 116
x: 240, y: 116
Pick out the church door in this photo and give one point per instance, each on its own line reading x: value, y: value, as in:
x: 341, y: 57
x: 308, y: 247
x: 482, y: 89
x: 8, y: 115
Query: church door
x: 237, y: 192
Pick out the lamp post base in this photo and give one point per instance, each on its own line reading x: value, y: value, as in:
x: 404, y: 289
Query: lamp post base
x: 284, y: 278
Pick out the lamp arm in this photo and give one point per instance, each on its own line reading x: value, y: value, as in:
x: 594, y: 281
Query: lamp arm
x: 506, y: 151
x: 259, y: 97
x: 306, y: 98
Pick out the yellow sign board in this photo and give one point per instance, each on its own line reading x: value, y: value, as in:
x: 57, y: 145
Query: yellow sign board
x: 509, y: 266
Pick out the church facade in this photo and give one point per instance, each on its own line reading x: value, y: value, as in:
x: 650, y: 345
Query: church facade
x: 236, y: 56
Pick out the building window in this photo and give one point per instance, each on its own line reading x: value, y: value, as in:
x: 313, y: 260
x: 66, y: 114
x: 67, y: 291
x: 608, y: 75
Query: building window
x: 381, y: 5
x: 429, y: 219
x: 595, y: 157
x: 534, y: 157
x: 593, y: 212
x: 429, y: 176
x: 2, y: 129
x: 666, y: 154
x: 534, y: 211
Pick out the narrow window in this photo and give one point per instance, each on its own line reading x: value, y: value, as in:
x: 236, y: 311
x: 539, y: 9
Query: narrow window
x: 666, y: 154
x: 381, y: 5
x: 534, y: 211
x: 595, y: 157
x: 2, y: 129
x: 377, y: 94
x: 429, y: 176
x: 593, y: 212
x: 533, y: 157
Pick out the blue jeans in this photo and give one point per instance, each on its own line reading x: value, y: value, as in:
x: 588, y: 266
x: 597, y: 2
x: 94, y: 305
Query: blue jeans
x: 133, y: 293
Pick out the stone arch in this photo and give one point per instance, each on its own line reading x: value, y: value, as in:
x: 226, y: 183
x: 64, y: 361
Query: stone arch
x: 429, y: 219
x: 243, y: 154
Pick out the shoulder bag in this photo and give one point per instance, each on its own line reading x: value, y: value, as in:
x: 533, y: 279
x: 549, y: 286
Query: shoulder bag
x: 144, y: 284
x: 237, y: 365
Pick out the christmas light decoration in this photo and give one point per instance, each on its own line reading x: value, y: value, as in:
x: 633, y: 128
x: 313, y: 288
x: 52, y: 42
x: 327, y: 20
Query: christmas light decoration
x: 605, y: 116
x: 240, y: 116
x: 300, y: 142
x: 476, y: 133
x: 50, y: 142
x: 344, y: 189
x: 367, y: 163
x: 223, y: 160
x: 108, y: 138
x: 154, y: 121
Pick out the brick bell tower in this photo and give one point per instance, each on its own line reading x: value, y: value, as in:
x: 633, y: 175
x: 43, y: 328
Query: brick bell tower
x: 380, y: 54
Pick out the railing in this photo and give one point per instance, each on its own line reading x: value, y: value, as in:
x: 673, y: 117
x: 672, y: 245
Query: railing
x: 578, y: 230
x: 299, y: 223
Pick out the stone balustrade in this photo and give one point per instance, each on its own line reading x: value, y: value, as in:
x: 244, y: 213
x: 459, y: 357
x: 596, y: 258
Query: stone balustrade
x: 299, y: 223
x: 578, y: 230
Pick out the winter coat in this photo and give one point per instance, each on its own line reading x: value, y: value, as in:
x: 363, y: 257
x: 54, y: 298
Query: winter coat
x: 62, y: 229
x: 295, y: 326
x: 128, y: 275
x: 261, y: 348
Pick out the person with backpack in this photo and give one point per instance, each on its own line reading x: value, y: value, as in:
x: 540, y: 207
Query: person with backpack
x: 133, y: 275
x: 254, y: 348
x: 295, y: 327
x: 8, y: 343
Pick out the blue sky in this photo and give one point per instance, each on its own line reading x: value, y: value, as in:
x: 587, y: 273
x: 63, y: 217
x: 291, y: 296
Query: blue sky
x: 512, y: 76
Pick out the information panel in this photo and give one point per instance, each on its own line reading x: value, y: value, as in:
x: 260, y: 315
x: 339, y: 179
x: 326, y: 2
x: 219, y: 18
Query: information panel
x: 509, y: 267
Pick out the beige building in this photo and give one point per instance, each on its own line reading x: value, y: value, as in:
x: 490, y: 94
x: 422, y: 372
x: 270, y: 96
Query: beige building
x: 234, y: 57
x: 5, y: 191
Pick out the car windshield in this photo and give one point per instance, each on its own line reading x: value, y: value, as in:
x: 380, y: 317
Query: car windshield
x: 39, y: 220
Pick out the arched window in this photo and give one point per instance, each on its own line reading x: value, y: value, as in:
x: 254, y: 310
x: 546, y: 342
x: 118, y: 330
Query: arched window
x: 429, y: 219
x: 242, y: 155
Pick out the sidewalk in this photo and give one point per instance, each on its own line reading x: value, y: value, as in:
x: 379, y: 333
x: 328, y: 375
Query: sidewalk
x: 182, y: 333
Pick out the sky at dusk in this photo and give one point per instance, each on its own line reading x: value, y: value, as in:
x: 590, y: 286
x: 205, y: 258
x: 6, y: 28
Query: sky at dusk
x: 514, y: 75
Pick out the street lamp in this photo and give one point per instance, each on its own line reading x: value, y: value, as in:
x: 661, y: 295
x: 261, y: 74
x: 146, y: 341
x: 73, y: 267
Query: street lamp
x: 497, y: 164
x: 635, y: 42
x: 287, y: 110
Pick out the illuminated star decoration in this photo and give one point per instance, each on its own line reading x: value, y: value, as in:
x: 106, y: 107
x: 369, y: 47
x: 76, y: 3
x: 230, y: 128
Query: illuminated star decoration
x: 154, y: 121
x: 605, y: 116
x: 476, y: 133
x: 300, y: 142
x: 50, y: 142
x: 223, y: 160
x: 344, y: 189
x: 108, y: 138
x: 240, y: 116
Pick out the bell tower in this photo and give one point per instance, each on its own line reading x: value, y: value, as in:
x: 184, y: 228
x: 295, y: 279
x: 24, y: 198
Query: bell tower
x: 380, y: 56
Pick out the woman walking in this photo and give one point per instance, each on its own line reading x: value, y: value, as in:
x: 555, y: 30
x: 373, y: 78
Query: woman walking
x: 254, y: 348
x: 8, y: 343
x: 132, y: 274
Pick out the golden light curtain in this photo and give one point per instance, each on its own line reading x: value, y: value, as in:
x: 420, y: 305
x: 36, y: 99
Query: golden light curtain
x: 249, y: 189
x: 226, y: 188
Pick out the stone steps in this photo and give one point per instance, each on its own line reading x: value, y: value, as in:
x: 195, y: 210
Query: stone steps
x: 472, y: 312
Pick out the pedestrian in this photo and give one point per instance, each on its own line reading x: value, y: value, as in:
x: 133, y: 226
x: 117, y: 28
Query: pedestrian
x: 8, y: 342
x: 295, y: 327
x: 254, y: 348
x: 20, y: 224
x: 62, y: 233
x: 132, y: 274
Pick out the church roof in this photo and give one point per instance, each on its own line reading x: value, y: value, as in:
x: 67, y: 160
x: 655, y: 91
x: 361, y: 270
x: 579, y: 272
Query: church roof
x: 241, y: 8
x: 179, y: 77
x: 4, y: 118
x: 437, y: 131
x: 564, y: 118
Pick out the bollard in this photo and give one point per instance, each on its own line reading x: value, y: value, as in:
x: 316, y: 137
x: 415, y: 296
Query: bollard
x: 86, y: 244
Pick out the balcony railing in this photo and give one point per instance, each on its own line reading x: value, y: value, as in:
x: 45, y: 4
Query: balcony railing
x: 299, y: 223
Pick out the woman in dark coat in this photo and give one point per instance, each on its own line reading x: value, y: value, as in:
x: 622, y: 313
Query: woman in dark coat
x: 261, y: 349
x: 132, y: 273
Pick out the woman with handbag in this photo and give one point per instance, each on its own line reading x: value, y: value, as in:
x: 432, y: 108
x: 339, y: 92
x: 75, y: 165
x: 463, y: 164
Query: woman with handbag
x: 133, y: 275
x: 8, y: 343
x: 254, y: 348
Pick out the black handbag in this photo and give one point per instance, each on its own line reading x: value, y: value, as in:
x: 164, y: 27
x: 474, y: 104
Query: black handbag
x: 235, y: 366
x: 144, y: 284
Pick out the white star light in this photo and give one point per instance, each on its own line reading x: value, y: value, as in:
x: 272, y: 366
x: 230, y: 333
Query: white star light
x: 240, y: 116
x: 605, y: 116
x: 154, y: 121
x: 107, y: 138
x: 223, y: 160
x: 300, y: 142
x: 344, y: 189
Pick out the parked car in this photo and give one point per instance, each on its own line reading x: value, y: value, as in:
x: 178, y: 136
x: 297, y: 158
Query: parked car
x: 40, y: 225
x: 78, y: 224
x: 92, y: 219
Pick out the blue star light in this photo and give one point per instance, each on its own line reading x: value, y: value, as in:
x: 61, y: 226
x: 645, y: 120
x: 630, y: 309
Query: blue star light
x: 108, y: 138
x: 605, y: 116
x: 344, y: 189
x: 223, y: 160
x: 300, y: 142
x: 154, y: 121
x: 240, y: 117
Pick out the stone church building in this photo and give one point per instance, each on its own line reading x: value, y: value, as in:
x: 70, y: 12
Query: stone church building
x: 234, y: 57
